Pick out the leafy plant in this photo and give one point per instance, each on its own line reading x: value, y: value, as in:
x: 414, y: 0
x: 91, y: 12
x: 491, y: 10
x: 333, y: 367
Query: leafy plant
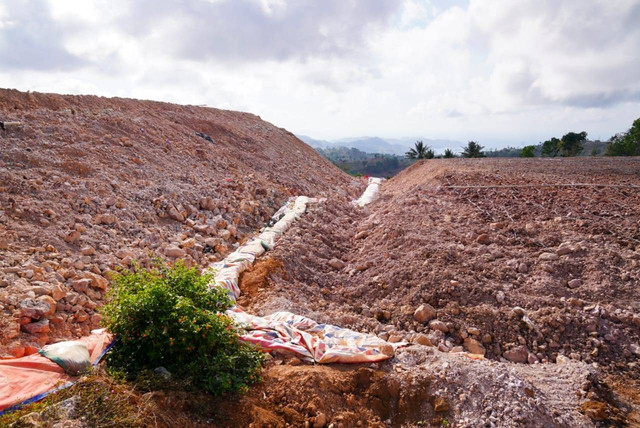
x: 448, y: 154
x: 528, y: 152
x: 420, y: 151
x: 167, y: 317
x: 473, y: 150
x: 550, y: 148
x: 572, y: 143
x: 625, y: 144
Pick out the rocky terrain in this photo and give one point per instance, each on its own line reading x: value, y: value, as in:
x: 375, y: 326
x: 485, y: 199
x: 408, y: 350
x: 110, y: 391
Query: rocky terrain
x: 513, y: 283
x: 88, y: 184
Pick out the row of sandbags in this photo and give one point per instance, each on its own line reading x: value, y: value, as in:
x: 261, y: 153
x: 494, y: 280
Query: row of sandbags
x: 285, y: 332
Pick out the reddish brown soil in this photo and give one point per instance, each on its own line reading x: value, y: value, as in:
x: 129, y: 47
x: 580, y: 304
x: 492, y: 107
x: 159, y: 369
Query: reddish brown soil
x: 474, y: 254
x: 90, y: 183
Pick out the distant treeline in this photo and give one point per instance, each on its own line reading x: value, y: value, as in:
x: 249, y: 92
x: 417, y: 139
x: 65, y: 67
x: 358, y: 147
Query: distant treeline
x: 357, y: 162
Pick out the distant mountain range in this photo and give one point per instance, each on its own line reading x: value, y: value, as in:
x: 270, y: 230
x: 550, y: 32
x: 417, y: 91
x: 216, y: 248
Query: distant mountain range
x: 390, y: 146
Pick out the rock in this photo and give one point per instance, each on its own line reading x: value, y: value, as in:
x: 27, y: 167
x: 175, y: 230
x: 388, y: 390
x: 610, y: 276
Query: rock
x: 424, y: 313
x: 394, y: 338
x: 188, y: 243
x: 57, y: 292
x: 438, y: 325
x: 224, y: 234
x: 500, y: 297
x: 72, y: 237
x: 523, y: 268
x: 81, y: 285
x: 124, y: 253
x: 320, y: 420
x: 483, y: 239
x: 474, y: 331
x: 208, y: 203
x: 422, y: 339
x: 96, y: 319
x: 81, y: 316
x: 36, y: 309
x: 337, y: 264
x: 97, y: 281
x: 548, y: 257
x: 37, y: 327
x: 106, y: 218
x: 88, y: 250
x: 173, y: 213
x: 174, y: 252
x: 564, y: 249
x: 440, y: 405
x: 574, y: 283
x: 473, y: 346
x: 362, y: 234
x: 50, y: 301
x: 519, y: 354
x: 16, y: 351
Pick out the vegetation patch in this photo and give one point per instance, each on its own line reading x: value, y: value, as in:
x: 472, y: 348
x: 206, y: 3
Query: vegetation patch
x: 167, y: 317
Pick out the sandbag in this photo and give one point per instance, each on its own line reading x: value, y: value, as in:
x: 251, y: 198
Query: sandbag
x: 72, y: 356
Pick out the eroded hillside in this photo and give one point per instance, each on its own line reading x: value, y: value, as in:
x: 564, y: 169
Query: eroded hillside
x: 88, y: 184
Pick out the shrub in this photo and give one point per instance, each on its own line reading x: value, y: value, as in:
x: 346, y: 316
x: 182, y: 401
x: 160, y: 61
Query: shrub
x: 448, y: 154
x: 167, y: 317
x: 528, y: 152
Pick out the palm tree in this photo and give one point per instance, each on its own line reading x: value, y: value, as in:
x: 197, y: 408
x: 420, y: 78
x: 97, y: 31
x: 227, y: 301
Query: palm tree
x: 420, y: 151
x: 448, y: 154
x: 473, y: 150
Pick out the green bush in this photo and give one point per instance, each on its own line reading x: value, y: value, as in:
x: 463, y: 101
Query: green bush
x: 528, y: 152
x: 167, y: 317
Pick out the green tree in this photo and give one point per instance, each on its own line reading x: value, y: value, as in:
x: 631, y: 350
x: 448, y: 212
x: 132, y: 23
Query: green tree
x: 625, y: 144
x: 448, y: 154
x: 550, y: 148
x: 595, y: 151
x: 473, y: 150
x: 572, y: 144
x: 528, y: 152
x: 420, y: 151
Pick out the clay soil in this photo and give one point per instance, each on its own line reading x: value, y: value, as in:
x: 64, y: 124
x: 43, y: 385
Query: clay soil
x: 510, y: 258
x: 493, y: 246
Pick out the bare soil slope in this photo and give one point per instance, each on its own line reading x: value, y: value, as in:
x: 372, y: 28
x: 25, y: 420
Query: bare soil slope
x: 90, y: 183
x: 508, y: 258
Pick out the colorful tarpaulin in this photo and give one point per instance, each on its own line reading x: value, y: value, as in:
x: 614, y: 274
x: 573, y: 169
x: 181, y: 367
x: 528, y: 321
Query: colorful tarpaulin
x: 285, y: 332
x: 27, y: 379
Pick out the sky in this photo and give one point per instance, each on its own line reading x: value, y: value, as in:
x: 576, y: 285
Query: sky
x: 502, y: 72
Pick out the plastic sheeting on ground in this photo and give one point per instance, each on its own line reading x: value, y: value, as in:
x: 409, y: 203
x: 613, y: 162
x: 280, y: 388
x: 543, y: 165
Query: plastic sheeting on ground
x: 227, y: 272
x: 323, y: 343
x: 27, y: 379
x: 287, y: 332
x: 370, y: 192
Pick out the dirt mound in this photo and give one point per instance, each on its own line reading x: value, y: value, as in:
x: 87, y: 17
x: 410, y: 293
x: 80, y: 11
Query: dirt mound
x: 537, y: 265
x: 90, y: 183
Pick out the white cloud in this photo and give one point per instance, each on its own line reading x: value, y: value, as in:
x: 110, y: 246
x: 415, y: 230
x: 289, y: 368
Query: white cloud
x: 494, y: 70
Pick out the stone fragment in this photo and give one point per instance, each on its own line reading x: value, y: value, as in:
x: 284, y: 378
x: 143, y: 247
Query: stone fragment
x: 174, y: 252
x: 336, y: 264
x: 438, y: 325
x: 547, y: 257
x: 473, y: 346
x: 424, y: 313
x: 484, y: 239
x: 519, y: 354
x: 81, y: 285
x: 37, y: 327
x: 574, y: 283
x: 422, y: 339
